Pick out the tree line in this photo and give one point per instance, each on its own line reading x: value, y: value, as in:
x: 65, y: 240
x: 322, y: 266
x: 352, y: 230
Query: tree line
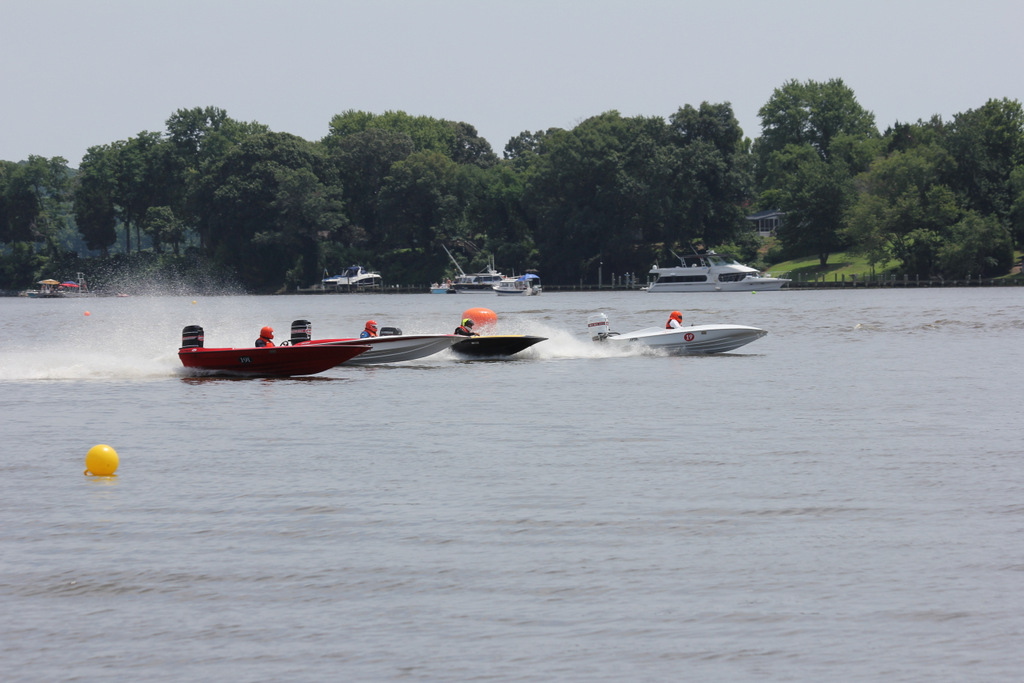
x: 272, y: 211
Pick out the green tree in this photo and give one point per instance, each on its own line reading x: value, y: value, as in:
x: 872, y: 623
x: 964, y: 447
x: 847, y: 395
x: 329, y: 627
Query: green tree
x: 163, y: 227
x: 712, y: 170
x: 143, y: 177
x: 496, y: 217
x: 980, y: 246
x: 273, y: 199
x: 987, y: 145
x: 815, y: 194
x: 1016, y: 218
x: 574, y: 193
x: 813, y: 114
x: 199, y: 140
x: 815, y: 137
x: 95, y: 213
x: 611, y: 188
x: 20, y: 264
x: 364, y: 160
x: 522, y: 150
x: 457, y: 141
x: 902, y: 210
x: 469, y: 148
x: 419, y: 201
x: 30, y: 195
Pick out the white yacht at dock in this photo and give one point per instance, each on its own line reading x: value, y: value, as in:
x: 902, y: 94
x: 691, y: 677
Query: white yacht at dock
x: 711, y: 272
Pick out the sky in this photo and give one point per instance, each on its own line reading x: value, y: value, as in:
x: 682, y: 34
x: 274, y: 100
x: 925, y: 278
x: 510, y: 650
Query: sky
x: 79, y: 73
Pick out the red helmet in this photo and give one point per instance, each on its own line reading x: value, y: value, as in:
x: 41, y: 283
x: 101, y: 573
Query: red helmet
x: 677, y: 315
x: 267, y: 332
x: 371, y: 325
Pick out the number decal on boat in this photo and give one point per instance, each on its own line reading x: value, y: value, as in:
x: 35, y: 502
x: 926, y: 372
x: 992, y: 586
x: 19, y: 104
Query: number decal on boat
x: 688, y: 336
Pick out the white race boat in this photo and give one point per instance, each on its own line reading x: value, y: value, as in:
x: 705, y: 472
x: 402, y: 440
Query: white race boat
x: 711, y: 272
x: 692, y: 340
x: 391, y: 347
x: 524, y: 285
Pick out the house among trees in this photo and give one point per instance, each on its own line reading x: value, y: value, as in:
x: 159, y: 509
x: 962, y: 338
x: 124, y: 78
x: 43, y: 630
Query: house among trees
x: 767, y: 222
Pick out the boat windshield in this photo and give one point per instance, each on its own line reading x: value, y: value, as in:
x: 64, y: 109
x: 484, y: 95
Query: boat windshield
x: 720, y: 260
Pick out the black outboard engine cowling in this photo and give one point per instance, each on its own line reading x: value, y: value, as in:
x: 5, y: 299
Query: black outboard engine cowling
x: 390, y: 332
x: 302, y: 331
x: 192, y: 337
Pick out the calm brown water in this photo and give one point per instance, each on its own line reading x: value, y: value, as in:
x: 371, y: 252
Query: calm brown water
x: 841, y: 500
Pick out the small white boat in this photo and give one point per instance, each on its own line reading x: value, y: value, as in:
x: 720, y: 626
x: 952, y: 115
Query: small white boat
x: 524, y: 285
x: 692, y: 340
x: 445, y: 287
x: 353, y: 279
x: 711, y: 272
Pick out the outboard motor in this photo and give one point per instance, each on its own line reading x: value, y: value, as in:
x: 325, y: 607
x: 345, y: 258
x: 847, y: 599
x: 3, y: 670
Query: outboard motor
x: 597, y: 325
x: 390, y: 331
x: 192, y: 337
x: 302, y: 331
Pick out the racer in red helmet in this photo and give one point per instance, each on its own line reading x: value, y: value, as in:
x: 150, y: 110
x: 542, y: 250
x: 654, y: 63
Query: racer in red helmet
x: 266, y: 334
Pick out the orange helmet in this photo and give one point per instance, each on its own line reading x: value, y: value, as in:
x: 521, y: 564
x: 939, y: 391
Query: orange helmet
x: 371, y: 325
x: 677, y: 315
x: 267, y: 332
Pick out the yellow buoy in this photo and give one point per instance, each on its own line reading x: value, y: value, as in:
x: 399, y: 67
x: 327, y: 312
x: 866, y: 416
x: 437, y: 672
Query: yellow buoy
x: 101, y: 461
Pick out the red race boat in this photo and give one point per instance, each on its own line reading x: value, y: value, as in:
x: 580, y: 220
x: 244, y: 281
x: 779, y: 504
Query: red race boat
x: 264, y: 361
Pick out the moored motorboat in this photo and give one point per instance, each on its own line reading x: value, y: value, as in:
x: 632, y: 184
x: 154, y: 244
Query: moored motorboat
x: 691, y: 340
x: 495, y: 345
x: 477, y: 283
x: 353, y: 279
x: 446, y: 287
x: 264, y: 361
x: 391, y: 347
x: 473, y: 282
x: 524, y: 285
x: 710, y: 272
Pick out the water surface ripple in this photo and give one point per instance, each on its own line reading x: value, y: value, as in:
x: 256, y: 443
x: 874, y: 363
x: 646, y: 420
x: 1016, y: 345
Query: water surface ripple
x: 840, y: 500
